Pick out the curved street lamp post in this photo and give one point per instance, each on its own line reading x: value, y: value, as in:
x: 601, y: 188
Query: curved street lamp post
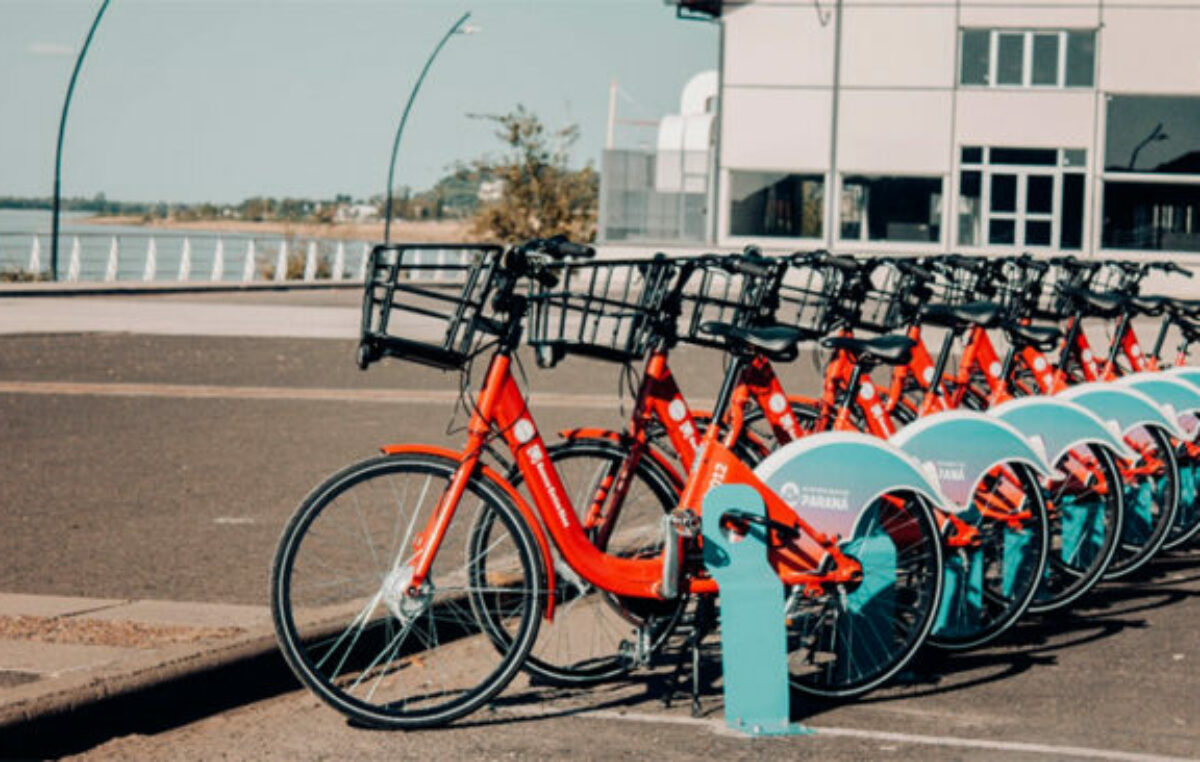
x: 62, y: 126
x: 459, y: 27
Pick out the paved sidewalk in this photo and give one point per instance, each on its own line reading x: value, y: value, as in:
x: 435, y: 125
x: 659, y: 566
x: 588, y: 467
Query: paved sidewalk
x: 176, y: 317
x: 57, y: 653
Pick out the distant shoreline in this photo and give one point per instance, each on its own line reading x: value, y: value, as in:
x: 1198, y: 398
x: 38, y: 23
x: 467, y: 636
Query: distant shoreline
x: 424, y: 231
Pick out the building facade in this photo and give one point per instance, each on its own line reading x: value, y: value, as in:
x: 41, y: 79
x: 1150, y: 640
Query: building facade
x: 958, y: 125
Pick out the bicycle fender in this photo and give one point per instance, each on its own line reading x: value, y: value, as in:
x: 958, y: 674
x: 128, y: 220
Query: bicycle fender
x: 1179, y: 400
x: 1189, y: 375
x: 530, y: 517
x: 1122, y: 407
x: 1060, y: 425
x: 962, y: 446
x: 671, y: 469
x: 830, y: 479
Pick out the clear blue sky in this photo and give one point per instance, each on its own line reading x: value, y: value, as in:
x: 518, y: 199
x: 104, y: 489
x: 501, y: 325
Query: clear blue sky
x: 194, y: 100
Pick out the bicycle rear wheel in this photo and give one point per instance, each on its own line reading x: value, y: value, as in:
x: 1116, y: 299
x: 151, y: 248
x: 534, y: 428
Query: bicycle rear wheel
x: 1151, y: 485
x: 595, y: 636
x: 1187, y: 519
x: 1086, y: 515
x: 358, y: 637
x: 852, y: 639
x: 989, y: 585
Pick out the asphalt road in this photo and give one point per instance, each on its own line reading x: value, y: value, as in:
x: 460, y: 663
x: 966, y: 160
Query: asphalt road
x: 157, y: 466
x: 132, y: 483
x: 1113, y: 680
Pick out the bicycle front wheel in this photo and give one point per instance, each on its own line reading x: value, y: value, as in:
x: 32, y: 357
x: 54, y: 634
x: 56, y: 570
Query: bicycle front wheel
x: 363, y: 638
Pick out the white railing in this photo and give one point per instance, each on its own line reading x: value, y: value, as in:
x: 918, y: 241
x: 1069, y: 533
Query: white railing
x: 184, y: 258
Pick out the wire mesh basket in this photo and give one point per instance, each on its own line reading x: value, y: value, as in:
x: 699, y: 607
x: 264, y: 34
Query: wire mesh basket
x: 885, y: 301
x: 808, y: 296
x: 1012, y: 286
x: 426, y: 302
x: 1116, y: 277
x: 1046, y: 296
x: 598, y: 309
x: 956, y: 284
x: 716, y: 293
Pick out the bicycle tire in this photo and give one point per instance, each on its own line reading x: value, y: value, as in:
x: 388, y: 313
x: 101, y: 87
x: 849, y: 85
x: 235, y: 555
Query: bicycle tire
x: 1187, y: 519
x: 839, y: 647
x: 329, y: 561
x: 1150, y: 506
x: 1085, y: 528
x: 995, y: 584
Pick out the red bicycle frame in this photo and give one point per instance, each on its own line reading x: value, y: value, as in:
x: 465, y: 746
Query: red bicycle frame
x: 501, y: 407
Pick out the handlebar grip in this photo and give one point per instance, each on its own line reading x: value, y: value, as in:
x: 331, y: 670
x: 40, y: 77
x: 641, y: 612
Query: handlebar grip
x: 1171, y: 267
x: 757, y: 267
x: 561, y: 248
x: 575, y: 250
x: 822, y: 257
x: 908, y: 268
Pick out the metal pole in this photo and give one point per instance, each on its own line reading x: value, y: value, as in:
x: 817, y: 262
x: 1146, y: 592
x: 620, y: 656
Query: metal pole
x: 412, y: 96
x: 62, y: 126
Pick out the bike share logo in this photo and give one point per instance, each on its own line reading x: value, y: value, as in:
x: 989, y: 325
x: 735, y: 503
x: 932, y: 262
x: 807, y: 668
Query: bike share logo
x: 812, y: 497
x: 524, y: 431
x: 779, y: 406
x: 678, y: 412
x: 951, y: 471
x: 719, y: 472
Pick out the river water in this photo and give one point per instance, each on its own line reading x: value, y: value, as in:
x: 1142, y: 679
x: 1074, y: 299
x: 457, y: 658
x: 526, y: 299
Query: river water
x: 155, y: 254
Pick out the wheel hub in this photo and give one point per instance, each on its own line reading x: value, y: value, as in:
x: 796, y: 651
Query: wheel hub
x: 405, y: 602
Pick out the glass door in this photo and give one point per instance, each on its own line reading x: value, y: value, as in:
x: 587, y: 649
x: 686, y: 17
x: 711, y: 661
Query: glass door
x: 1021, y: 207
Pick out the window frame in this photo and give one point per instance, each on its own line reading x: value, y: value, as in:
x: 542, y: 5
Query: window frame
x: 864, y: 239
x: 1020, y: 215
x: 1028, y: 35
x: 738, y: 239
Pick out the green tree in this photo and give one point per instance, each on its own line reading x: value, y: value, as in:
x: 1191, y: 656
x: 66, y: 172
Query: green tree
x: 541, y: 195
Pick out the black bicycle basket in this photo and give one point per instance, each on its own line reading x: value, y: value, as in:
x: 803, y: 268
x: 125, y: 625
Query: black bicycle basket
x: 884, y: 301
x: 1014, y: 287
x: 1114, y: 277
x: 427, y: 302
x: 956, y: 284
x: 717, y: 293
x: 601, y: 309
x: 1047, y: 299
x: 808, y: 296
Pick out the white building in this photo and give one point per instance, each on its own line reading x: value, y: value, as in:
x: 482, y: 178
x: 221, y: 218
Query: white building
x: 958, y: 125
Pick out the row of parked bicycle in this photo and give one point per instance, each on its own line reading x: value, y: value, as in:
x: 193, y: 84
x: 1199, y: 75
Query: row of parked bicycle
x: 410, y: 588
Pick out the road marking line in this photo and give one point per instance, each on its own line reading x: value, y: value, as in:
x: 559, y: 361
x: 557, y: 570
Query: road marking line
x: 290, y: 394
x: 718, y: 726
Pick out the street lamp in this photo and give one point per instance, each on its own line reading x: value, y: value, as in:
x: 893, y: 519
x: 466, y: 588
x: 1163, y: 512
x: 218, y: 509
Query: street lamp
x: 459, y: 27
x: 1155, y: 135
x: 62, y: 126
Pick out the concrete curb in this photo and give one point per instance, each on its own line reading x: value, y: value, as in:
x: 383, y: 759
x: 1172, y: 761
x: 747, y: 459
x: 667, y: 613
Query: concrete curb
x: 34, y: 703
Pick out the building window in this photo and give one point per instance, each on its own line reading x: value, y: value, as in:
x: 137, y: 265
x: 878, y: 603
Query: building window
x: 1029, y: 197
x: 1152, y: 134
x: 1152, y: 174
x: 1154, y: 216
x: 1028, y: 58
x: 891, y: 209
x: 776, y: 204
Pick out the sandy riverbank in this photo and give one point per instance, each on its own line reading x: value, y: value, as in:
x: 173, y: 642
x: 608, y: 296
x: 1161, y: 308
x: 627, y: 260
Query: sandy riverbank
x: 446, y: 231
